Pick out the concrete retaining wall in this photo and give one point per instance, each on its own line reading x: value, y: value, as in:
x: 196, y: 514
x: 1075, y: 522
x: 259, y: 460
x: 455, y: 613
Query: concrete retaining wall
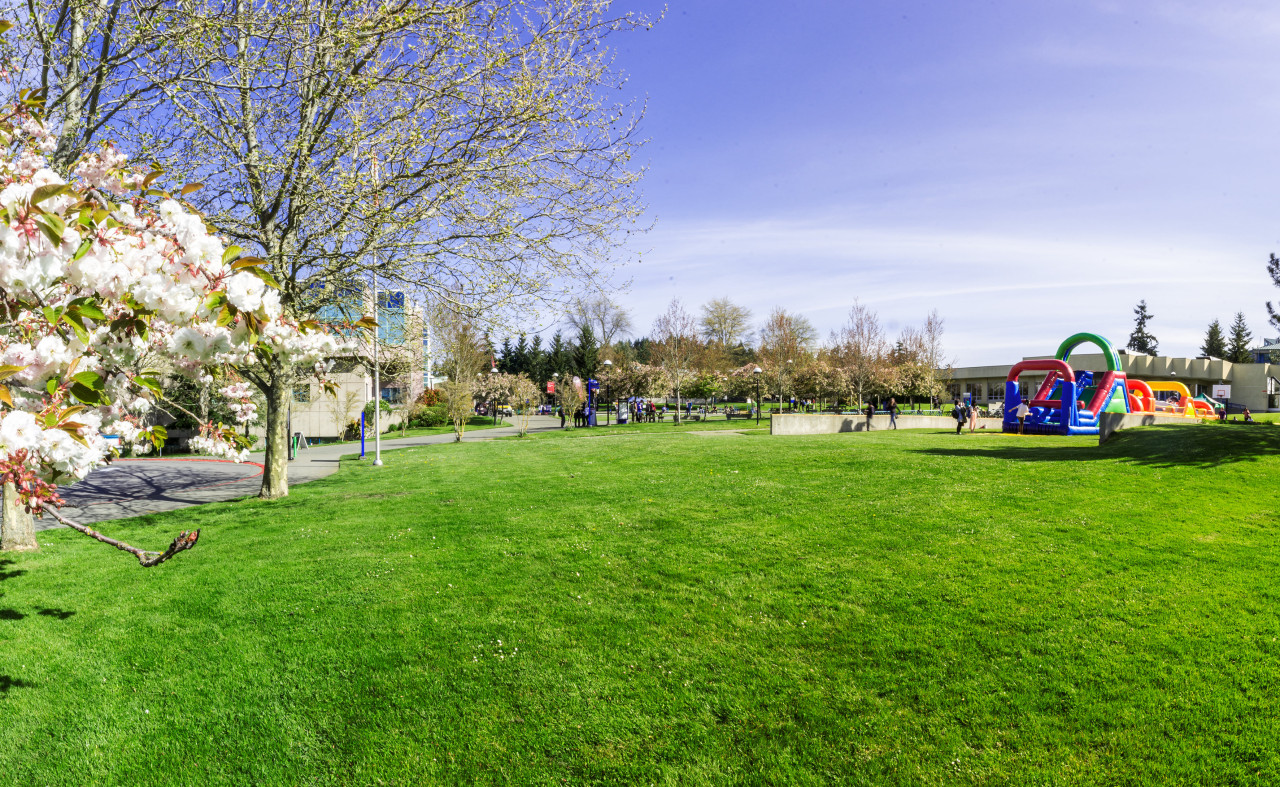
x: 1110, y: 423
x: 832, y: 424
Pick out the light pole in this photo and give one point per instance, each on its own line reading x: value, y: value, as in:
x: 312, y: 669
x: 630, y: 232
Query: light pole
x: 492, y: 371
x: 608, y: 366
x: 377, y: 382
x: 781, y: 385
x: 758, y: 371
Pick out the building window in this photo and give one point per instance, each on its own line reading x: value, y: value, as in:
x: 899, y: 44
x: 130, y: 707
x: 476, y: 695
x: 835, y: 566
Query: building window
x: 302, y: 394
x: 392, y: 395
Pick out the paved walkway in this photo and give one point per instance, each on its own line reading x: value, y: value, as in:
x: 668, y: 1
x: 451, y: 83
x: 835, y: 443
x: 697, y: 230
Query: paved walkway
x: 133, y: 487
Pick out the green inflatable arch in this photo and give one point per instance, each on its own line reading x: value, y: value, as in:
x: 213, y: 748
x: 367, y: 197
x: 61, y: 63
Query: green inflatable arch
x: 1108, y: 352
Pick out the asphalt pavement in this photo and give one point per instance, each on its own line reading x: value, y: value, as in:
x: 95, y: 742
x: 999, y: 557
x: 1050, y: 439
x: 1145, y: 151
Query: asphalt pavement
x: 133, y: 487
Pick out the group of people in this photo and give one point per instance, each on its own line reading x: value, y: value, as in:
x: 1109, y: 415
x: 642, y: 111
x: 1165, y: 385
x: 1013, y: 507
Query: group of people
x: 642, y: 412
x: 965, y: 412
x: 891, y: 408
x: 579, y: 416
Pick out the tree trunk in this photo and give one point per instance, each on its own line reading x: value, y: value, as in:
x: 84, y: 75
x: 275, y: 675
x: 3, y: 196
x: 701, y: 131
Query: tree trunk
x: 17, y: 527
x: 275, y: 471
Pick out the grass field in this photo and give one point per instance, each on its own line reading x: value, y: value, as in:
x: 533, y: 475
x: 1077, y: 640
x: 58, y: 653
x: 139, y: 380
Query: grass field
x: 673, y: 608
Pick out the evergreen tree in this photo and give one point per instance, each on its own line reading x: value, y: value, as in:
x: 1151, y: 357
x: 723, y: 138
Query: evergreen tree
x: 520, y: 355
x: 558, y: 356
x: 1140, y: 341
x: 538, y: 362
x: 1214, y: 345
x: 642, y: 350
x: 486, y: 349
x: 1241, y: 338
x: 505, y: 359
x: 586, y: 354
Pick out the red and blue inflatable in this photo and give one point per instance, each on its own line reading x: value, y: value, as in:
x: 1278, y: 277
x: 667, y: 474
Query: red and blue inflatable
x: 1068, y: 402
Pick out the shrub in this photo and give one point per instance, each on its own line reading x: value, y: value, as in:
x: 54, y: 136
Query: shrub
x: 435, y: 415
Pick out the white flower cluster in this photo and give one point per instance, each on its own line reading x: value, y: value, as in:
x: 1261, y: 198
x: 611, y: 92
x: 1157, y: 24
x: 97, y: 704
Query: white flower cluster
x: 218, y: 448
x: 87, y: 293
x: 244, y: 409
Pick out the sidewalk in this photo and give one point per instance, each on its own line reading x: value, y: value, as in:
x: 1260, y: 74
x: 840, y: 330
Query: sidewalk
x: 322, y: 460
x: 130, y: 488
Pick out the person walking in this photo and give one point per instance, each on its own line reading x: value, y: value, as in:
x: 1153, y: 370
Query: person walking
x: 870, y: 411
x: 1022, y: 412
x: 960, y: 415
x: 973, y: 416
x: 560, y: 412
x: 893, y: 413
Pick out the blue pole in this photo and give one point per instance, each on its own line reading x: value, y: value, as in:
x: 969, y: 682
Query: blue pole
x: 362, y: 434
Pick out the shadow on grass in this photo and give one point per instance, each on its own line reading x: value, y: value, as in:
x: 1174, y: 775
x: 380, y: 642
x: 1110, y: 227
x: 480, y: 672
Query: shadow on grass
x: 9, y: 682
x: 5, y: 573
x: 1198, y: 445
x: 11, y: 614
x: 60, y: 614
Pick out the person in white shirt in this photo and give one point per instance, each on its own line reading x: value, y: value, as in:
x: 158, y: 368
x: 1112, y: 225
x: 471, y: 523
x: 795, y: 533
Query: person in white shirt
x: 1022, y: 412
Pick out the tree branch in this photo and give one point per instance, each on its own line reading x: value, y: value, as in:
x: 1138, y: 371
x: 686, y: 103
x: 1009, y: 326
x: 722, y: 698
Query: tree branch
x: 185, y: 540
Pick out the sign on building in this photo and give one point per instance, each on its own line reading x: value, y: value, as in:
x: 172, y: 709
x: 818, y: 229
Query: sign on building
x: 1221, y: 392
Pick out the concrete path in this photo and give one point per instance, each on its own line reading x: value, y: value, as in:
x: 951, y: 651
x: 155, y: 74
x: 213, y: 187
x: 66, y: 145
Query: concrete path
x: 133, y: 487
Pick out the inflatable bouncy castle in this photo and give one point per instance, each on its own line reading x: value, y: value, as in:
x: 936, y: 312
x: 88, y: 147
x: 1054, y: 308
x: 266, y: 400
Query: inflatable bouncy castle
x: 1069, y: 401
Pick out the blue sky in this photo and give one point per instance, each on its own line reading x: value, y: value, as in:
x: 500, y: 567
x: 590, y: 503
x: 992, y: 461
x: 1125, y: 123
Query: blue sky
x: 1029, y: 169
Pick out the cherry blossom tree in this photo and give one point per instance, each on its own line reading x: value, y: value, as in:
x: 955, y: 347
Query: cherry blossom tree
x: 98, y: 272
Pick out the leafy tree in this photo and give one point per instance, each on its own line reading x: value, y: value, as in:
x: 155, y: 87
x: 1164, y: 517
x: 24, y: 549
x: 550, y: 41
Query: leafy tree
x: 859, y: 351
x: 675, y: 347
x: 1238, y: 344
x: 725, y: 323
x: 1140, y: 340
x: 463, y: 149
x: 463, y: 356
x: 1214, y: 345
x: 85, y: 379
x: 606, y: 319
x: 786, y: 337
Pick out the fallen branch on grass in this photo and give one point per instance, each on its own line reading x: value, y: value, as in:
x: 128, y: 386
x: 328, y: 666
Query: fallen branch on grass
x: 185, y: 540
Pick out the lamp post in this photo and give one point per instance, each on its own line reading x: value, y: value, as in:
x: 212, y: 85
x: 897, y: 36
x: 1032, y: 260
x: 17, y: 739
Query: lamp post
x: 757, y: 374
x: 781, y: 392
x: 492, y: 371
x: 608, y: 365
x: 377, y: 380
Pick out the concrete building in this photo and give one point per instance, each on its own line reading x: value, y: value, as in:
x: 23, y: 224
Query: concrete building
x: 1253, y: 385
x: 401, y: 357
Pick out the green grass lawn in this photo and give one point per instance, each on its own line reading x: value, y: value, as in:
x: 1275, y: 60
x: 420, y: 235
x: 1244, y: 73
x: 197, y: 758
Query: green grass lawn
x: 476, y: 423
x: 673, y: 608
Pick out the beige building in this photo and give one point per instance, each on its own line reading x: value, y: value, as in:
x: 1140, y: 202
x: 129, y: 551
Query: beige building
x: 1253, y: 385
x: 401, y: 357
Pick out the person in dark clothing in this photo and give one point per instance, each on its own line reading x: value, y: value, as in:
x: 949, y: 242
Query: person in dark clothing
x: 960, y: 415
x: 893, y: 413
x: 560, y: 412
x: 871, y: 410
